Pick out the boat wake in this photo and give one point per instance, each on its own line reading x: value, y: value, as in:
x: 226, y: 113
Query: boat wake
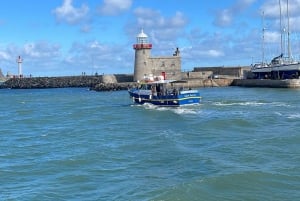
x: 251, y: 103
x: 238, y: 104
x: 188, y: 109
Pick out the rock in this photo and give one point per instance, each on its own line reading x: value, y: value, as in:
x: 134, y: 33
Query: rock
x: 111, y: 86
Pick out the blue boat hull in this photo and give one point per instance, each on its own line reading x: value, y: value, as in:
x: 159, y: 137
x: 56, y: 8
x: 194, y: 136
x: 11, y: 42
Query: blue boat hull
x: 171, y: 100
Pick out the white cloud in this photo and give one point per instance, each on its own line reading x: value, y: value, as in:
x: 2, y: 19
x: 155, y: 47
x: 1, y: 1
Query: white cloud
x: 178, y: 20
x: 69, y: 14
x: 213, y: 53
x: 4, y: 55
x: 241, y: 5
x: 151, y: 18
x: 39, y: 58
x: 146, y: 17
x: 202, y: 53
x: 223, y: 18
x: 95, y: 56
x: 85, y: 28
x: 114, y: 7
x: 41, y: 50
x: 271, y: 11
x: 159, y: 27
x: 272, y: 37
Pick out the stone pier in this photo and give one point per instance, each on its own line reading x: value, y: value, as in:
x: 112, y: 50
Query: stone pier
x: 288, y: 83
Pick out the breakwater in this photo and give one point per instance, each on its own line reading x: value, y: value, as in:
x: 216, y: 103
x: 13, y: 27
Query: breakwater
x: 65, y: 81
x: 124, y: 81
x: 112, y: 86
x: 51, y: 82
x: 97, y: 83
x: 193, y: 83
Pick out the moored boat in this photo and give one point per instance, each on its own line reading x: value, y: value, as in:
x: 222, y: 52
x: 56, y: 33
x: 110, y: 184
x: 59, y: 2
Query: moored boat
x: 280, y: 67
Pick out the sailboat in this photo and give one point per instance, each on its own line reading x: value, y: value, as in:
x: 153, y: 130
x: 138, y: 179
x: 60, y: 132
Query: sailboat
x: 280, y: 67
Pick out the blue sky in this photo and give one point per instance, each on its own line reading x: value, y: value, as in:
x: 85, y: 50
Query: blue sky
x: 68, y: 37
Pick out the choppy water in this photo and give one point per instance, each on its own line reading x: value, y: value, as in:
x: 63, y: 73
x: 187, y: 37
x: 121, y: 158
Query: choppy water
x: 75, y: 144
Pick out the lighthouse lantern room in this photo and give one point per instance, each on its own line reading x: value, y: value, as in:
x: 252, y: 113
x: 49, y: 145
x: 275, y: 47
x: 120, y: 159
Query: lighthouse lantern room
x: 142, y: 41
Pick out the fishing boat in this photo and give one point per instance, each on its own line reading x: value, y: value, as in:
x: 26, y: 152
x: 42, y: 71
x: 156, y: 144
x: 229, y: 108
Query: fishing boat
x: 167, y: 93
x: 280, y: 67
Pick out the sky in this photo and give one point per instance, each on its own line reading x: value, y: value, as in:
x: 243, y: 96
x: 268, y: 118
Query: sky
x: 71, y: 37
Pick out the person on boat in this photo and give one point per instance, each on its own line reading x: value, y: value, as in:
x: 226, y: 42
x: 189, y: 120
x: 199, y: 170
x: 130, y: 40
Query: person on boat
x: 158, y: 90
x: 175, y: 91
x: 153, y: 90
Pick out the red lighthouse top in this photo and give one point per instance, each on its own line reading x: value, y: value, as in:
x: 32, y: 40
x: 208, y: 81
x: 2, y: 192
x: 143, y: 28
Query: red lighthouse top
x: 142, y: 41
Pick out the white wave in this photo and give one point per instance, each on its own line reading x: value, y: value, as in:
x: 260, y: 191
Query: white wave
x: 193, y: 109
x: 185, y: 111
x: 280, y: 104
x: 294, y: 116
x: 150, y: 106
x: 279, y: 114
x: 250, y: 103
x: 238, y: 103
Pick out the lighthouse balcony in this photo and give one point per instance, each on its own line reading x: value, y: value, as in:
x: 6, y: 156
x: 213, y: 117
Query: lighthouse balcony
x: 142, y: 46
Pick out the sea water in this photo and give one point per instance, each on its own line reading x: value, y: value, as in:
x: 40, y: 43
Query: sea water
x: 76, y: 144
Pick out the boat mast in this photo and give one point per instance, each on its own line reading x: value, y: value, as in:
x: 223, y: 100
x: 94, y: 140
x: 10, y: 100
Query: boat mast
x: 281, y: 41
x: 263, y: 39
x: 288, y: 31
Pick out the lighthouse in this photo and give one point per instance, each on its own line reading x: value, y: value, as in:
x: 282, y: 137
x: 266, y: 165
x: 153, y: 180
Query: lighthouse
x: 142, y: 48
x: 19, y: 61
x: 146, y: 66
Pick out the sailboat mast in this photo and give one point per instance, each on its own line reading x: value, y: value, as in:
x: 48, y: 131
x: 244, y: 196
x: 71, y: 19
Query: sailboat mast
x: 281, y: 41
x: 263, y: 38
x: 288, y: 31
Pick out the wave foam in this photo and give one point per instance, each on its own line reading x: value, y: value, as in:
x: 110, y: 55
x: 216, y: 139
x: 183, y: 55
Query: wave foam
x: 250, y: 103
x: 294, y: 116
x: 193, y: 109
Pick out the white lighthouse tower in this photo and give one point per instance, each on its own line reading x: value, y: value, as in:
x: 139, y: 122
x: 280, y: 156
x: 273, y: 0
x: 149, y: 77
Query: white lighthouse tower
x: 19, y: 61
x: 142, y: 54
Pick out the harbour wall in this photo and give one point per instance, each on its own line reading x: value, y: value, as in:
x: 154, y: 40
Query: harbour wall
x: 124, y: 81
x: 240, y: 72
x: 195, y: 83
x: 288, y: 83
